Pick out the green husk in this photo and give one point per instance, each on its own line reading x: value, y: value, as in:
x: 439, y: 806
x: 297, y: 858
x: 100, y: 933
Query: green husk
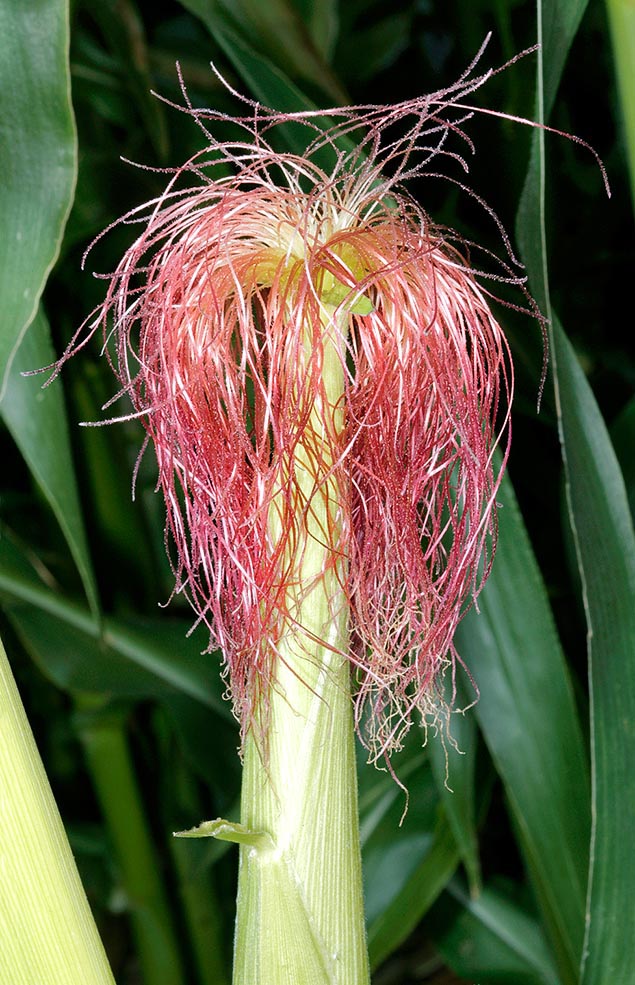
x: 47, y: 930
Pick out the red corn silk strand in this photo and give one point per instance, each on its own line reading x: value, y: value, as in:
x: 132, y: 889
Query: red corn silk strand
x: 217, y: 322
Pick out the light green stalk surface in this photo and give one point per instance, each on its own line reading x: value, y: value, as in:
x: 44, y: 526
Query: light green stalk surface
x: 300, y: 914
x: 47, y: 932
x: 300, y: 907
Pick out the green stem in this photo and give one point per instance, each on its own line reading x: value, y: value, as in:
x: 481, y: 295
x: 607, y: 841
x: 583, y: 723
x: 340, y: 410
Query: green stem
x: 105, y: 744
x: 47, y: 931
x: 300, y: 917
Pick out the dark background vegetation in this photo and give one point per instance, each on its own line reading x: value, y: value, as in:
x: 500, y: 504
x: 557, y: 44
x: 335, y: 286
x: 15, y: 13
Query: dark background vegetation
x: 96, y: 719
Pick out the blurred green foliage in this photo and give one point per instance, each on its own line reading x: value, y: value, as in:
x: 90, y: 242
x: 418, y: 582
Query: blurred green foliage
x: 490, y: 880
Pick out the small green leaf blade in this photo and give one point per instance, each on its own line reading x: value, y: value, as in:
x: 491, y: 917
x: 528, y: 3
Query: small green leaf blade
x: 490, y: 939
x: 38, y: 157
x: 528, y: 717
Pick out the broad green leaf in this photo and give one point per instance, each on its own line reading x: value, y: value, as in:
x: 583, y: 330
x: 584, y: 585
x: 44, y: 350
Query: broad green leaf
x: 276, y: 29
x: 558, y: 22
x: 605, y: 545
x: 407, y: 857
x: 106, y: 475
x: 266, y: 82
x: 36, y: 418
x: 381, y: 42
x: 393, y: 844
x: 399, y: 918
x: 322, y: 20
x: 527, y: 714
x: 121, y: 25
x: 622, y: 24
x: 490, y: 939
x: 37, y: 158
x: 623, y: 438
x: 128, y: 658
x: 378, y: 792
x: 211, y: 743
x: 453, y: 762
x: 81, y: 664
